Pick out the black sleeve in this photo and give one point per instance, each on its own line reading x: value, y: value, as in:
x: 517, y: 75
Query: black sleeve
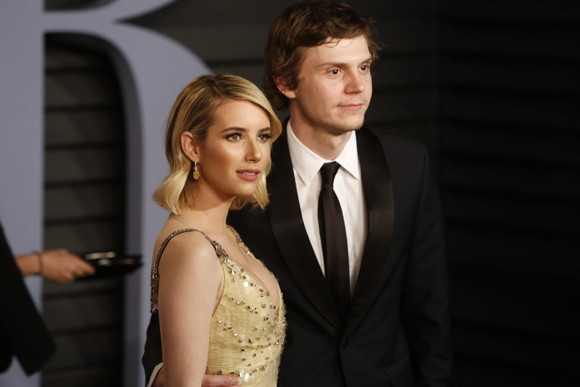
x: 153, y: 354
x: 22, y: 331
x: 425, y: 292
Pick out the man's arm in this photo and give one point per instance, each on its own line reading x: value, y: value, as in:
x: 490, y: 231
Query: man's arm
x: 425, y: 299
x: 153, y: 355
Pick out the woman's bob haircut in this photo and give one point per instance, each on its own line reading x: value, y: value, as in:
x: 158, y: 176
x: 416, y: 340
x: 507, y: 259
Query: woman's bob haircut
x: 193, y: 111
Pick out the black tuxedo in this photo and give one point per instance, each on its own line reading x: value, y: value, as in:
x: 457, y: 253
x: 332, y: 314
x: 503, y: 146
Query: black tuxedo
x: 397, y: 329
x: 22, y: 331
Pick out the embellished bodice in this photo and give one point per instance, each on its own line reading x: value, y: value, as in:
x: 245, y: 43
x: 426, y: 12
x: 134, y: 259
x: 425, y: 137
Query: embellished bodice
x: 247, y: 331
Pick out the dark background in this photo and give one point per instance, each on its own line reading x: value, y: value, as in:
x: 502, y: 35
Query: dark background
x: 491, y: 87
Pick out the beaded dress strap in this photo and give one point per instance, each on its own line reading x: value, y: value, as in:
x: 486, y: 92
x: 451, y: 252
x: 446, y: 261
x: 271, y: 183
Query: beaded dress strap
x: 240, y: 242
x: 219, y: 250
x: 155, y: 266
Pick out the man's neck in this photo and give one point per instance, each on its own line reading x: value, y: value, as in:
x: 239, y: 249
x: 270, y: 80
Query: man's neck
x: 319, y: 141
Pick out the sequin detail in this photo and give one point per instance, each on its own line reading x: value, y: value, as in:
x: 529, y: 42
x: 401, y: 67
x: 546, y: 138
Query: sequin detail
x: 247, y: 332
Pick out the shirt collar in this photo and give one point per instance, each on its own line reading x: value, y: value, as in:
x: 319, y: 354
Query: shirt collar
x: 307, y: 163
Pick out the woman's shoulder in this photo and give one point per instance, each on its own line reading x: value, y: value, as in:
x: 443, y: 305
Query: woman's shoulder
x: 184, y: 245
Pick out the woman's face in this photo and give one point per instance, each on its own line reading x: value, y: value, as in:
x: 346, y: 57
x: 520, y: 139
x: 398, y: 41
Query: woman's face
x: 236, y: 151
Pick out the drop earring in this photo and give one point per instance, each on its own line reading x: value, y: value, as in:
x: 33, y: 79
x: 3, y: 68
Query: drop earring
x: 195, y: 171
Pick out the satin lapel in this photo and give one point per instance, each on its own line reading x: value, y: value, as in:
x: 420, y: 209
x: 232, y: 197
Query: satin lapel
x: 290, y: 234
x: 378, y: 193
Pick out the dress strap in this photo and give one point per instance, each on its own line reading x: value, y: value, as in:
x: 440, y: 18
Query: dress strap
x: 219, y: 250
x: 155, y: 266
x: 236, y: 235
x: 239, y: 241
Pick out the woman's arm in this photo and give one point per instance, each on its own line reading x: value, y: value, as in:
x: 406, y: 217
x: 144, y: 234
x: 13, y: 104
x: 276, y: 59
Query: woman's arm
x: 190, y: 279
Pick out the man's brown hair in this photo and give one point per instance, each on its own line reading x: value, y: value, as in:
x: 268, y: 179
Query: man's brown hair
x: 307, y: 24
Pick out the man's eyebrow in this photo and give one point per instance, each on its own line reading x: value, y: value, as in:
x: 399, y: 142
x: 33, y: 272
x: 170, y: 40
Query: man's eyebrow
x: 342, y: 64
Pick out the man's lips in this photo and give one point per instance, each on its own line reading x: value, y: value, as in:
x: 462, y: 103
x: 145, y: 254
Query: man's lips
x: 352, y: 106
x: 249, y: 174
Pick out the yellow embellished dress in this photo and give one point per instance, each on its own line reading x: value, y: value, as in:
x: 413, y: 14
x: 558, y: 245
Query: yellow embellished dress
x: 247, y: 331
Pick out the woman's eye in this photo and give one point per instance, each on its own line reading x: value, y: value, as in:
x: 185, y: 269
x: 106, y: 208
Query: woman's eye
x: 265, y: 137
x: 234, y: 136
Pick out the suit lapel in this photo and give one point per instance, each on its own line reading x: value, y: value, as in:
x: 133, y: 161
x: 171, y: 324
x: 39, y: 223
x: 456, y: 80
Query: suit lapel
x: 378, y: 193
x: 291, y: 236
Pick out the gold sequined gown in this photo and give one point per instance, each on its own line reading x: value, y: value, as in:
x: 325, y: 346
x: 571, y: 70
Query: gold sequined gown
x: 247, y: 332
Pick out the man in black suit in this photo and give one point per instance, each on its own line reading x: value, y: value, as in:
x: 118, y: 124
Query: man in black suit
x: 366, y: 286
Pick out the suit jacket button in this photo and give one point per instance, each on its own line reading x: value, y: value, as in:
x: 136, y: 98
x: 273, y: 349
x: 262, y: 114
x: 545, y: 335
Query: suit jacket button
x: 344, y: 342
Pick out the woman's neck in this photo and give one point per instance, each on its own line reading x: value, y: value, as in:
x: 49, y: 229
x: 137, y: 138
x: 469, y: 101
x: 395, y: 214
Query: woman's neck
x: 209, y: 211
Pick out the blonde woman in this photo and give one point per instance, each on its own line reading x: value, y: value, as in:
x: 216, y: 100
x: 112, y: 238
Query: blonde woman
x: 220, y: 309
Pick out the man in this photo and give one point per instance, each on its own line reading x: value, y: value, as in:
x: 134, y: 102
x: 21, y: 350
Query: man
x: 361, y: 265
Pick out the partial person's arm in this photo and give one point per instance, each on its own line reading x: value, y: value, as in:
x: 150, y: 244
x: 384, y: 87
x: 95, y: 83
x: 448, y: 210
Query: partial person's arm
x: 55, y: 265
x: 22, y: 332
x: 425, y: 296
x: 190, y: 278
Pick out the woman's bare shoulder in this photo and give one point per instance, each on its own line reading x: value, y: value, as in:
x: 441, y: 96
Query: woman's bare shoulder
x: 190, y: 245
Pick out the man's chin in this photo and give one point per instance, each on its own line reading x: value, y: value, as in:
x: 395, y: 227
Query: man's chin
x: 342, y: 130
x: 350, y: 125
x: 339, y: 127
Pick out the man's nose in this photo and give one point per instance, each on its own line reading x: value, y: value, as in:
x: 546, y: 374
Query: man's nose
x: 355, y: 83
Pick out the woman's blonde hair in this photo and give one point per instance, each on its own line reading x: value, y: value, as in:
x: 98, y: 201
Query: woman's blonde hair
x: 193, y: 111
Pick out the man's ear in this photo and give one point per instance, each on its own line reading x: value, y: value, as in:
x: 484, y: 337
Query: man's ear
x: 190, y: 146
x: 282, y: 85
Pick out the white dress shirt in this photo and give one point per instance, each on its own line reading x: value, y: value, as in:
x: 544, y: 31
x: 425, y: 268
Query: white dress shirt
x: 349, y: 190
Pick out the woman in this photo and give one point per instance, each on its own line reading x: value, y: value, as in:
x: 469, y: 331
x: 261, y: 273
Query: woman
x: 220, y: 309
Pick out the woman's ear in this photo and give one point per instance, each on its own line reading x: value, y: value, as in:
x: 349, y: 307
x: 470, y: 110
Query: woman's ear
x: 190, y: 146
x: 282, y: 85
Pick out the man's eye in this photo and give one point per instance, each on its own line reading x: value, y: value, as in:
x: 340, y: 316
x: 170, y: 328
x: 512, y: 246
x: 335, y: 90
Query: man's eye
x: 334, y: 72
x: 364, y: 67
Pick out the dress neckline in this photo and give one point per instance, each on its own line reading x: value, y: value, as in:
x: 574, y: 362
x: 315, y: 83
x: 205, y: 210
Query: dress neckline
x: 245, y: 248
x: 223, y: 253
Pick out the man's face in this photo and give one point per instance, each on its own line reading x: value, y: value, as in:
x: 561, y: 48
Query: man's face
x: 334, y: 87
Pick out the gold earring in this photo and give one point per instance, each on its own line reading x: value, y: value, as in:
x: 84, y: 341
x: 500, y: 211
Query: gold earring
x: 195, y: 171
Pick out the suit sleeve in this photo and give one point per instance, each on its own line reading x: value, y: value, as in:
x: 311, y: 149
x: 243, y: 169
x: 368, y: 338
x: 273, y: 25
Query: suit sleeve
x: 425, y: 300
x: 153, y: 354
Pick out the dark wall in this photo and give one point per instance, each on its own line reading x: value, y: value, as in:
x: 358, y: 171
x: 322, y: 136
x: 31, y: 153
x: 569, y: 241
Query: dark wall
x: 491, y: 87
x: 84, y: 207
x: 508, y: 119
x: 84, y: 180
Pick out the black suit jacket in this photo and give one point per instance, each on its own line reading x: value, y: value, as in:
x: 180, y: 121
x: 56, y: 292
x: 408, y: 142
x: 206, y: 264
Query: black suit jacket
x: 22, y: 331
x: 397, y: 329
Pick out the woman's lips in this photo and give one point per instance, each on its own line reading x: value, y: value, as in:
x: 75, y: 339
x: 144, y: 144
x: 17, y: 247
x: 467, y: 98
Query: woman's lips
x: 249, y: 174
